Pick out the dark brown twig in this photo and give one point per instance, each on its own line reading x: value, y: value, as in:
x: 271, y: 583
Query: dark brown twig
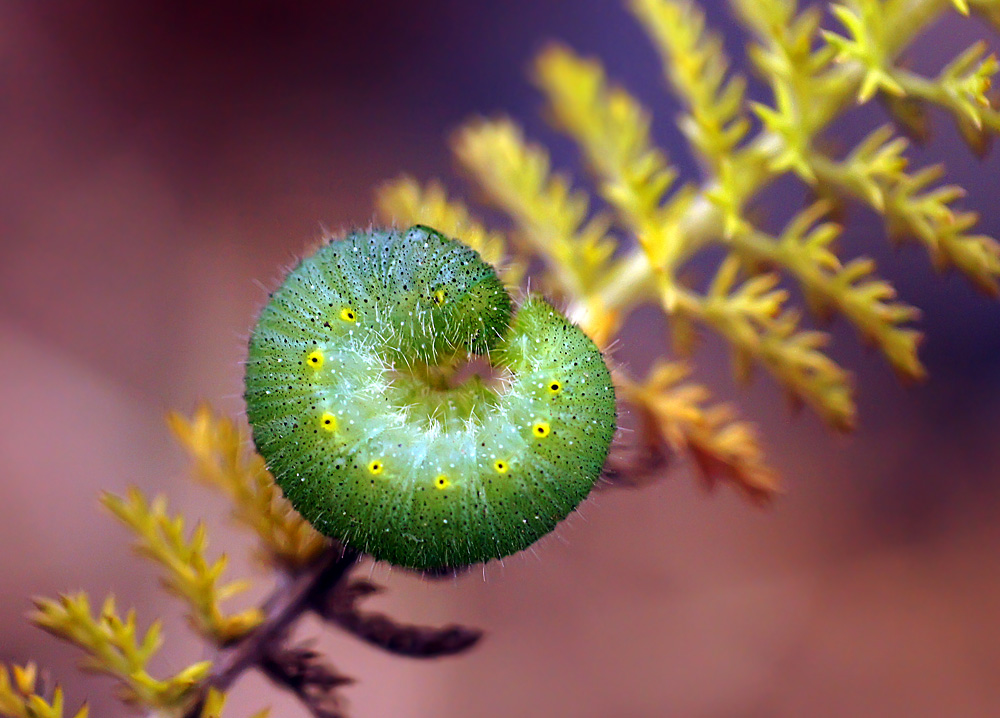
x: 380, y: 630
x: 283, y: 608
x: 303, y: 671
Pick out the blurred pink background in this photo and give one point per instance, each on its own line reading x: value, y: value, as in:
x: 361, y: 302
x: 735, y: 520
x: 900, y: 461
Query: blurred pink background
x: 162, y: 161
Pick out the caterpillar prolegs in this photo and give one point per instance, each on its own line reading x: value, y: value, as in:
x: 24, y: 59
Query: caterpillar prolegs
x: 353, y: 394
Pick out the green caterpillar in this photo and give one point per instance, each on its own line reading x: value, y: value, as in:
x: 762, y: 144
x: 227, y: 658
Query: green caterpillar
x: 349, y: 390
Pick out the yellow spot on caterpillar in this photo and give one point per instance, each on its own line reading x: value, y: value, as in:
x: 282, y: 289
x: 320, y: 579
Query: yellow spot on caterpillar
x: 554, y: 387
x: 376, y: 467
x: 501, y: 466
x: 440, y: 296
x: 315, y: 359
x: 541, y: 429
x: 441, y: 482
x: 328, y: 421
x: 348, y: 314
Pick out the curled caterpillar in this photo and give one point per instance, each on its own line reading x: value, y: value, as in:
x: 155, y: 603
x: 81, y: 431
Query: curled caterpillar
x: 353, y: 398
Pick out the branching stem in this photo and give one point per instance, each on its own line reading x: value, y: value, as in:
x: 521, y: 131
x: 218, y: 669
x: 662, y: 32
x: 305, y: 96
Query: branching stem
x: 704, y: 221
x: 284, y: 607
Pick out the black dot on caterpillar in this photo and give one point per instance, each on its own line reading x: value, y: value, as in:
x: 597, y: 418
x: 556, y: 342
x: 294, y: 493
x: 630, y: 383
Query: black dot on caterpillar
x: 351, y: 395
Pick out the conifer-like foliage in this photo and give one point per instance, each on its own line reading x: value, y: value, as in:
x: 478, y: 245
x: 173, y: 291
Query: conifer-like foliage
x: 603, y: 254
x: 631, y: 245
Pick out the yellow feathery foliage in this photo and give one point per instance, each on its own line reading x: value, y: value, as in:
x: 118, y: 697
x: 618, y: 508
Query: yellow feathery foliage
x: 807, y: 87
x: 750, y: 316
x: 405, y: 202
x: 867, y: 43
x: 722, y: 446
x: 551, y: 216
x: 913, y: 208
x: 814, y: 73
x: 188, y: 574
x: 916, y: 209
x: 962, y: 87
x: 696, y: 65
x: 803, y: 250
x: 18, y: 697
x: 869, y: 170
x: 114, y: 648
x: 221, y: 459
x: 612, y: 129
x: 698, y: 71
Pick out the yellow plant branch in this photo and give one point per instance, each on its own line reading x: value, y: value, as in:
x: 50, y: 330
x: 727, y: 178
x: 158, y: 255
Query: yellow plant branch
x: 697, y: 68
x: 19, y: 699
x: 551, y: 216
x: 188, y: 574
x: 754, y: 321
x: 113, y: 647
x: 752, y: 317
x: 962, y: 87
x: 851, y: 289
x: 723, y: 447
x: 912, y: 206
x: 612, y: 129
x: 222, y: 460
x: 706, y: 219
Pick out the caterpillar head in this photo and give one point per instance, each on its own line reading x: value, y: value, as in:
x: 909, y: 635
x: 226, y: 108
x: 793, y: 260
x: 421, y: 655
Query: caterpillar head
x: 469, y: 307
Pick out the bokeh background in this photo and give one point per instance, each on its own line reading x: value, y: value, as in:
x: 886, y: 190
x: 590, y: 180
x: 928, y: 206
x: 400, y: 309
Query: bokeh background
x: 162, y: 161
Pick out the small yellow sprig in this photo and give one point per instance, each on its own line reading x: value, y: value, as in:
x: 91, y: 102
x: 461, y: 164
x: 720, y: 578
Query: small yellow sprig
x: 788, y: 55
x: 405, y: 202
x: 966, y: 80
x: 752, y: 315
x: 785, y: 120
x: 801, y: 82
x: 963, y: 88
x: 916, y: 209
x: 552, y: 218
x: 803, y: 250
x: 867, y: 26
x: 113, y: 647
x: 913, y: 208
x: 222, y: 460
x: 188, y: 574
x: 723, y: 447
x: 612, y: 129
x: 697, y: 68
x: 18, y: 697
x: 869, y: 170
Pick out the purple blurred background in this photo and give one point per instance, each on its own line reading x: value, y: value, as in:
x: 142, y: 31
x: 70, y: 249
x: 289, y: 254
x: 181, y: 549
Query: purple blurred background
x: 161, y: 161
